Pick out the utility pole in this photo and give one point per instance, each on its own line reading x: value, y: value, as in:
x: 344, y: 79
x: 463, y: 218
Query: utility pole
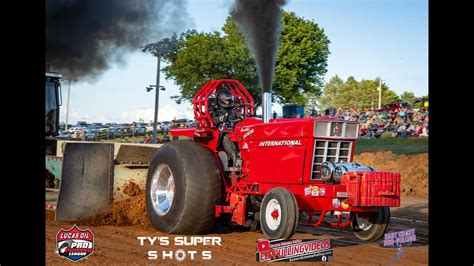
x: 380, y: 93
x: 157, y: 99
x: 67, y: 109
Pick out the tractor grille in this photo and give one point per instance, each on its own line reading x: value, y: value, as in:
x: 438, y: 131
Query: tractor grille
x: 329, y: 150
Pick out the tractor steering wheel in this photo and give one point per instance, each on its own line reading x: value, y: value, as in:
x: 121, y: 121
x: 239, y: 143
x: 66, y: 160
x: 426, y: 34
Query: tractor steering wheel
x: 240, y: 116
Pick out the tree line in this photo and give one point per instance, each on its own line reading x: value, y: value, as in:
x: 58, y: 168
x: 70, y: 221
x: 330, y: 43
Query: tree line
x: 193, y: 58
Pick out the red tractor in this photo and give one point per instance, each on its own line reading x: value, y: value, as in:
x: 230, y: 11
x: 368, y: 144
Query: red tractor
x: 264, y: 174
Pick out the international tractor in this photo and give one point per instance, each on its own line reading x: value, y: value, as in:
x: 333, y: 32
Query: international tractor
x: 272, y: 174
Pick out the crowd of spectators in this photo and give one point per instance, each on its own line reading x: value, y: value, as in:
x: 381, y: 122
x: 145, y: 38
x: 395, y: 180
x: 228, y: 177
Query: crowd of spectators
x: 402, y: 121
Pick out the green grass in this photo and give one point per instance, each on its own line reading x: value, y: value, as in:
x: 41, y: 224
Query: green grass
x: 396, y: 145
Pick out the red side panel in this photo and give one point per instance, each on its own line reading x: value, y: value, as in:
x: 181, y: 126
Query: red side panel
x: 352, y: 182
x: 373, y: 188
x: 238, y: 204
x: 187, y: 132
x: 281, y: 164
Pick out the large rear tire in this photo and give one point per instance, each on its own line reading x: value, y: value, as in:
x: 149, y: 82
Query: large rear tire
x: 183, y: 186
x: 372, y: 228
x: 279, y: 214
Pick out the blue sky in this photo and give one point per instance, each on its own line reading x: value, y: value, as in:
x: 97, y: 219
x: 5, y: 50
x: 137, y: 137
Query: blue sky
x: 369, y: 39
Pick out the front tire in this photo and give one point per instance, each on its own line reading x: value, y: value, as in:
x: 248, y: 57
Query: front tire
x: 371, y: 228
x: 183, y: 186
x: 279, y: 214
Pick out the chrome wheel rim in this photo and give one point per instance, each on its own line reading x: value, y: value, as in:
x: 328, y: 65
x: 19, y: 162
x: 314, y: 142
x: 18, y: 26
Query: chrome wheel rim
x: 162, y: 189
x: 363, y: 224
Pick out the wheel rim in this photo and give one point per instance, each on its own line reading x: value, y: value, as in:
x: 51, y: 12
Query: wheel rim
x: 273, y: 214
x: 363, y: 224
x: 162, y: 189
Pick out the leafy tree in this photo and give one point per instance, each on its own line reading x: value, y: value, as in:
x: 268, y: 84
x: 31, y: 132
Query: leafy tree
x: 301, y: 61
x: 408, y: 96
x: 330, y: 90
x: 354, y: 94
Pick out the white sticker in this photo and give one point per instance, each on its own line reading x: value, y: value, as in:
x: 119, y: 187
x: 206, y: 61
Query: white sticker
x: 336, y: 203
x: 322, y: 191
x: 243, y: 129
x: 249, y: 133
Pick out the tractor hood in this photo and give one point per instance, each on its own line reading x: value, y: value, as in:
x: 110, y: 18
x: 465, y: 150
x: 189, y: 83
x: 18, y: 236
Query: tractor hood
x: 279, y: 129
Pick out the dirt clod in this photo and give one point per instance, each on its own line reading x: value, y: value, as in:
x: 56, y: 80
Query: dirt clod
x: 131, y: 211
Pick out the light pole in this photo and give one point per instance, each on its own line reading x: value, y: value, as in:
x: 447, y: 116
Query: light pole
x: 159, y: 49
x: 157, y: 102
x: 68, y: 96
x: 380, y: 93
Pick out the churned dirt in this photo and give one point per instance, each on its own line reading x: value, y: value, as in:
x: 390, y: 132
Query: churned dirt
x: 116, y: 231
x: 131, y: 211
x: 413, y: 169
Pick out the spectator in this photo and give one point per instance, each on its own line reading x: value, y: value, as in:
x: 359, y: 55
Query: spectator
x: 147, y: 138
x: 165, y: 138
x: 401, y: 130
x: 402, y: 122
x: 424, y: 131
x: 403, y: 115
x: 173, y: 122
x: 411, y: 130
x: 82, y: 134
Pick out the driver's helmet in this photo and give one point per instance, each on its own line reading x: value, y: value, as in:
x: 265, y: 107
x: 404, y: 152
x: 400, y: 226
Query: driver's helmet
x: 225, y: 99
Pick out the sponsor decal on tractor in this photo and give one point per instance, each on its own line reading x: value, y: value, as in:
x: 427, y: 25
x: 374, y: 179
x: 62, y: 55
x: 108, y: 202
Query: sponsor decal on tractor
x: 280, y: 143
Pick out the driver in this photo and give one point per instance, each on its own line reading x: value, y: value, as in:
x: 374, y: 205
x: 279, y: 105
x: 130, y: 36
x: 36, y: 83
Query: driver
x: 225, y: 103
x: 223, y: 113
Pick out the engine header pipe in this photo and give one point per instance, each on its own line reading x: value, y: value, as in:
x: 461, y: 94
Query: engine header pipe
x: 267, y: 106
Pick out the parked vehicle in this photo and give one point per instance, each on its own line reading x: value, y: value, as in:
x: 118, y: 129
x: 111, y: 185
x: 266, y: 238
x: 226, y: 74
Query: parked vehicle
x: 75, y: 129
x: 89, y: 134
x: 140, y: 130
x: 394, y: 106
x: 165, y: 126
x: 62, y: 135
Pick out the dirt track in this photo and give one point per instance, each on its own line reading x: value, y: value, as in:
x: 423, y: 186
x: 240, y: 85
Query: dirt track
x: 119, y: 244
x: 116, y: 232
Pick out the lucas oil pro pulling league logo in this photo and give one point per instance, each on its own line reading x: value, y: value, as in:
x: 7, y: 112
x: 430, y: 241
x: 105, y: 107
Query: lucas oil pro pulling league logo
x: 74, y: 244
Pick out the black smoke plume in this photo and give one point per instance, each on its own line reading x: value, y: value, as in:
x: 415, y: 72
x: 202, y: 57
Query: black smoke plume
x: 86, y: 37
x: 261, y: 25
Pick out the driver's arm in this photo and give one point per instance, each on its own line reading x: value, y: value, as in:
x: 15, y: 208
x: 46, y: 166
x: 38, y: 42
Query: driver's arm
x: 235, y: 115
x: 218, y: 117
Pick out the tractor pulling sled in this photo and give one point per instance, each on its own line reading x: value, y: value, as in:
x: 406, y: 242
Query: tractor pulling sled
x: 257, y: 173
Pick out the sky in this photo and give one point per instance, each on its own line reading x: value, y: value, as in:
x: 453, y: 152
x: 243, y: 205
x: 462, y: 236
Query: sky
x: 369, y: 39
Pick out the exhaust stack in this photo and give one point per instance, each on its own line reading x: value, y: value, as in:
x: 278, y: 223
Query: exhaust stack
x: 267, y: 106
